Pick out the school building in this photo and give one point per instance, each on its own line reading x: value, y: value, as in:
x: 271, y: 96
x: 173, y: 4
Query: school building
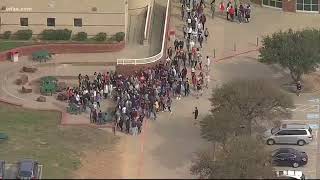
x: 305, y: 6
x: 90, y: 16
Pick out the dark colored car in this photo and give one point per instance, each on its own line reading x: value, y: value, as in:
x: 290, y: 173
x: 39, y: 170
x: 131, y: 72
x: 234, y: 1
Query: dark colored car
x: 289, y: 157
x: 2, y: 169
x: 28, y: 169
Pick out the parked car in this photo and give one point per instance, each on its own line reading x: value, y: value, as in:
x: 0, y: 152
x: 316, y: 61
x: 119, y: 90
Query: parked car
x: 2, y: 169
x: 289, y: 157
x: 290, y: 174
x: 28, y: 169
x: 294, y: 133
x: 3, y: 137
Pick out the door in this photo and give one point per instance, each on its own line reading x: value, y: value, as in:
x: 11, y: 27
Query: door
x: 282, y: 136
x: 280, y: 159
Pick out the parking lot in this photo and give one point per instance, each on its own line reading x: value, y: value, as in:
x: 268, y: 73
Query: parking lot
x: 11, y: 171
x: 307, y: 113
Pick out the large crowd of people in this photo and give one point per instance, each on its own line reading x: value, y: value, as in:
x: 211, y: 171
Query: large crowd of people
x: 150, y: 91
x: 232, y: 9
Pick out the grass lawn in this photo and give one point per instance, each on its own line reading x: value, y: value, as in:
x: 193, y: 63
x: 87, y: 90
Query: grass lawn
x: 36, y: 135
x: 6, y: 45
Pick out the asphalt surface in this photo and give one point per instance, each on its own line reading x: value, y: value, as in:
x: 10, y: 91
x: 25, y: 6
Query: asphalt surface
x: 307, y: 111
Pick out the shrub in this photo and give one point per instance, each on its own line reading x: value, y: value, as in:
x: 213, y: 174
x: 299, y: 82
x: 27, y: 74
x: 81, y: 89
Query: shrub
x: 101, y: 36
x: 119, y: 36
x: 80, y: 36
x: 6, y: 35
x: 23, y: 34
x: 59, y: 34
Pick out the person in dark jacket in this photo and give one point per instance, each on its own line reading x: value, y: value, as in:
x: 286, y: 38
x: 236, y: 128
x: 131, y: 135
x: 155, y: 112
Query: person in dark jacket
x: 128, y: 126
x: 196, y: 113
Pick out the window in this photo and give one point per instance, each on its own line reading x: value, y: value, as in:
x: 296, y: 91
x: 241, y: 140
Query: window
x: 24, y: 22
x: 292, y: 132
x: 299, y: 132
x: 308, y: 5
x: 51, y: 21
x: 273, y: 3
x: 283, y: 132
x: 77, y: 22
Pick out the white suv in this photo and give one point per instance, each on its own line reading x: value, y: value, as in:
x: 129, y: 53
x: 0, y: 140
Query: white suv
x: 293, y: 133
x: 288, y: 174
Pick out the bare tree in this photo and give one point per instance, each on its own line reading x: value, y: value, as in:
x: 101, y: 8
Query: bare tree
x: 244, y: 157
x: 251, y: 101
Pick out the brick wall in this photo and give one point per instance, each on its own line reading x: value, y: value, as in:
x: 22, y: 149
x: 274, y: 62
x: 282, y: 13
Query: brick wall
x: 64, y: 48
x: 289, y: 5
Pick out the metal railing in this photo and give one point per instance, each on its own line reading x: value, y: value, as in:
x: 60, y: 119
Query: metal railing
x: 155, y: 57
x: 146, y: 27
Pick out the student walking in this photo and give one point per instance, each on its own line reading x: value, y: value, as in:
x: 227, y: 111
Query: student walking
x: 200, y: 39
x: 213, y: 7
x: 169, y: 102
x: 299, y: 88
x: 114, y: 126
x: 228, y: 9
x: 208, y: 63
x: 195, y: 113
x: 206, y: 34
x: 221, y: 7
x: 231, y: 12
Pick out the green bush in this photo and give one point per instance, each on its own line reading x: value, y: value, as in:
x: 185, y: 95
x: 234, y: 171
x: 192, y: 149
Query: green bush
x: 101, y: 36
x: 23, y: 34
x: 59, y: 34
x: 6, y: 35
x: 119, y: 36
x: 80, y: 36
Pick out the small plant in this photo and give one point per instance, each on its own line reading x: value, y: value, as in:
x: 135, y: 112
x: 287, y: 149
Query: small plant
x: 23, y: 34
x: 81, y: 36
x: 119, y: 36
x: 7, y: 35
x: 101, y: 36
x: 59, y: 34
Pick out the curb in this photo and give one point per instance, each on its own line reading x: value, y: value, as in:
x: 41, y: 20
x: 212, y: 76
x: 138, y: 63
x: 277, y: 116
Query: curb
x: 237, y: 54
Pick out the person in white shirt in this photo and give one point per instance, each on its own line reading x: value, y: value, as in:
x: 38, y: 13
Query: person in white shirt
x: 95, y: 105
x: 106, y: 91
x: 110, y: 88
x: 192, y: 44
x: 85, y: 92
x: 189, y: 22
x: 168, y: 59
x: 189, y: 32
x: 124, y: 110
x: 78, y: 98
x: 194, y: 35
x: 199, y: 26
x: 208, y: 63
x: 94, y: 94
